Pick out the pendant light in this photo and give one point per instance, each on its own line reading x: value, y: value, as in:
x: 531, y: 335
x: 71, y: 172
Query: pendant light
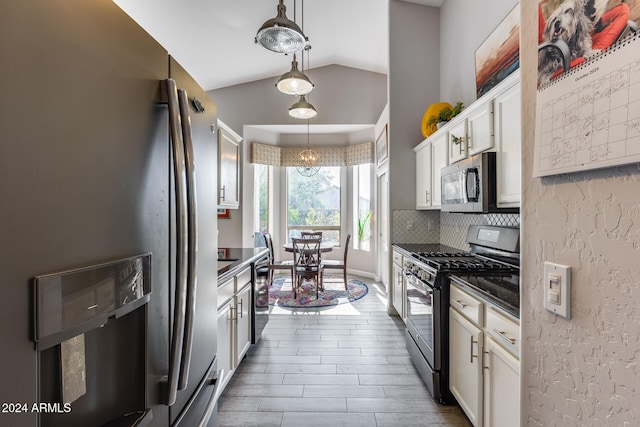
x: 308, y: 159
x: 303, y: 109
x: 280, y: 34
x: 294, y: 82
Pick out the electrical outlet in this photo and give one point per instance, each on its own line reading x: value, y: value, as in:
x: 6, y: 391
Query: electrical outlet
x: 409, y: 225
x: 557, y: 289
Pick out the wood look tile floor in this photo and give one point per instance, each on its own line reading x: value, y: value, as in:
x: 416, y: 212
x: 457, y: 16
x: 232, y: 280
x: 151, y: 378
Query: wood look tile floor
x: 345, y: 365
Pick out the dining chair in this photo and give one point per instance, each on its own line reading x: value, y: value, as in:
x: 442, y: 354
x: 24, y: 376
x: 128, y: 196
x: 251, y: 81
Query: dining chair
x: 276, y: 265
x: 311, y: 234
x: 339, y: 265
x: 306, y: 263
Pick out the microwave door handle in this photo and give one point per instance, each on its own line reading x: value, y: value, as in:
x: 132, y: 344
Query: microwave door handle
x: 472, y: 182
x: 465, y: 196
x: 192, y: 239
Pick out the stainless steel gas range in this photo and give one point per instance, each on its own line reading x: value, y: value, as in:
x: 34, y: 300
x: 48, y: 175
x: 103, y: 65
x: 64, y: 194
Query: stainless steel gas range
x: 491, y: 266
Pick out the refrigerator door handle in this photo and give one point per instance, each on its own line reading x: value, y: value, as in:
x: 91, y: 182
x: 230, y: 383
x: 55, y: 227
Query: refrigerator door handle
x: 192, y: 239
x: 211, y: 405
x: 177, y: 335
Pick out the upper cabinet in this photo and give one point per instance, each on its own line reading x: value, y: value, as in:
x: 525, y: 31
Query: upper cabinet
x: 228, y: 167
x: 508, y: 146
x: 458, y: 140
x: 491, y: 123
x: 431, y: 157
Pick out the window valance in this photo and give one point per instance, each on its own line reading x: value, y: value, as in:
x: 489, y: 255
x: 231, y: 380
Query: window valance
x: 273, y: 155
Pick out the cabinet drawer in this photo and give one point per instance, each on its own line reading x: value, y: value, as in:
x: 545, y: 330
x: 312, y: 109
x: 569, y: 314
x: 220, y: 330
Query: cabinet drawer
x: 397, y: 258
x: 504, y: 330
x: 466, y: 305
x: 243, y: 278
x: 225, y: 292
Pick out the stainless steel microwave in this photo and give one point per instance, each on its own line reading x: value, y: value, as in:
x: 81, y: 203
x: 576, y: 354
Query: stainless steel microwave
x: 470, y: 185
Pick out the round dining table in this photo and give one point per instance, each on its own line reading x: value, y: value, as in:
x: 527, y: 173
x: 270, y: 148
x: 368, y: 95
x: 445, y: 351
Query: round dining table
x: 324, y: 246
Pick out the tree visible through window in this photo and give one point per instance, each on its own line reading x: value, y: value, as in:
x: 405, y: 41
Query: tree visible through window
x: 313, y: 203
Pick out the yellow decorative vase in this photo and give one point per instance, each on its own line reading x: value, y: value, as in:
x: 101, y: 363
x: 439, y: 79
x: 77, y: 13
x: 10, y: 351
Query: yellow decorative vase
x: 432, y: 111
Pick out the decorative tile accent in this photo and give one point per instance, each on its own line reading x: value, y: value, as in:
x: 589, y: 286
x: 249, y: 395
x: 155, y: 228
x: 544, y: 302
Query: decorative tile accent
x: 411, y: 226
x: 454, y: 226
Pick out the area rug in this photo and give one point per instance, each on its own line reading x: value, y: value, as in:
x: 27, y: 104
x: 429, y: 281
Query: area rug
x: 281, y: 293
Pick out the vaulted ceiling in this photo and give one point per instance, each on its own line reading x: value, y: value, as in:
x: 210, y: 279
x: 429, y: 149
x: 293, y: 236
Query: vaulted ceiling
x: 214, y: 39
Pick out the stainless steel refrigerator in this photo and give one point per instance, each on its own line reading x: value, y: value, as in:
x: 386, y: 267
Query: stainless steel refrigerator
x: 89, y: 179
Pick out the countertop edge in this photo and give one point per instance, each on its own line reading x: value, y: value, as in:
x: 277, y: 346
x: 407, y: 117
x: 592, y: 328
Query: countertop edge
x: 229, y: 271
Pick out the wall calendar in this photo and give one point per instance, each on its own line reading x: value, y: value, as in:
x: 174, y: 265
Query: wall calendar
x: 589, y: 116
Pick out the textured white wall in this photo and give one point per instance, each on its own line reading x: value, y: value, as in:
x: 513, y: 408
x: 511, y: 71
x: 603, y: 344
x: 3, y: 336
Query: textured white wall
x: 582, y: 371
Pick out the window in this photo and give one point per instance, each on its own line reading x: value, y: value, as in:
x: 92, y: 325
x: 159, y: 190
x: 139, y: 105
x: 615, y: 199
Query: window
x: 261, y: 193
x: 362, y: 207
x: 313, y: 203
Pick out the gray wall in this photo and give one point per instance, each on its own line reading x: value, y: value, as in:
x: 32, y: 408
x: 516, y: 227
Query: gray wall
x: 464, y: 25
x: 414, y: 77
x: 342, y: 95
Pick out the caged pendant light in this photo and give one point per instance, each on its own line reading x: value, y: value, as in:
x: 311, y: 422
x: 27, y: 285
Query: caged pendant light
x: 280, y: 34
x: 308, y: 159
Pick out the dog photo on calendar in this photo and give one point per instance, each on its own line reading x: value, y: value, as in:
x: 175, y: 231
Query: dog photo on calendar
x: 572, y: 31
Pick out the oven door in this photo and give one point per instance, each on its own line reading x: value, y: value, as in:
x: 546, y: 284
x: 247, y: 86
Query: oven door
x: 423, y: 321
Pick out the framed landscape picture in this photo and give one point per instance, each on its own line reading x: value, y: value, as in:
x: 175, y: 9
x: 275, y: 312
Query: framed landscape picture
x: 499, y: 55
x: 382, y: 147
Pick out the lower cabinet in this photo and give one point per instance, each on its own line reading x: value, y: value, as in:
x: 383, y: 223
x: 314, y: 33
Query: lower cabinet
x: 501, y: 385
x: 465, y: 368
x: 234, y: 322
x: 399, y: 290
x: 484, y: 365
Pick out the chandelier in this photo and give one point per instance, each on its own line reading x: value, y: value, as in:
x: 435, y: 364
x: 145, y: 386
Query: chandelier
x: 308, y: 159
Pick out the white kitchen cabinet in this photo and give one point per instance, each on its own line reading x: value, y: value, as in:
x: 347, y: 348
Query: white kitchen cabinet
x: 508, y: 146
x: 228, y: 167
x: 431, y: 157
x: 480, y: 128
x: 465, y: 367
x: 501, y: 386
x: 458, y: 140
x: 225, y: 339
x: 243, y: 322
x: 399, y: 289
x: 424, y: 192
x: 234, y: 321
x: 484, y: 368
x: 439, y: 159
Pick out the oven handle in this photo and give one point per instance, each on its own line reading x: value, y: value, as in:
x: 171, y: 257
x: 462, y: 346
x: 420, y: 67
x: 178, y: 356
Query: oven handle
x: 413, y: 279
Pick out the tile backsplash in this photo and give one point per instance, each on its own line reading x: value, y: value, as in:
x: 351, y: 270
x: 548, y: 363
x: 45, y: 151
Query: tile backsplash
x: 411, y: 226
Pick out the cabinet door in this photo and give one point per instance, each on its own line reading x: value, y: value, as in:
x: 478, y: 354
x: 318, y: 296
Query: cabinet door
x: 423, y: 177
x: 243, y: 319
x: 501, y: 386
x: 480, y: 128
x: 439, y: 159
x: 465, y: 369
x: 458, y: 141
x: 225, y: 338
x: 398, y: 290
x: 508, y: 142
x: 228, y: 168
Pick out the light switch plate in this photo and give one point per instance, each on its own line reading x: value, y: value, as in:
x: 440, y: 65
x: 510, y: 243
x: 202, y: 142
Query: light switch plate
x: 557, y: 289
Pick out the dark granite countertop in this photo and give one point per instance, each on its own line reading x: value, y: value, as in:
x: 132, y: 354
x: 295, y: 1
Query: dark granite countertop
x: 235, y: 259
